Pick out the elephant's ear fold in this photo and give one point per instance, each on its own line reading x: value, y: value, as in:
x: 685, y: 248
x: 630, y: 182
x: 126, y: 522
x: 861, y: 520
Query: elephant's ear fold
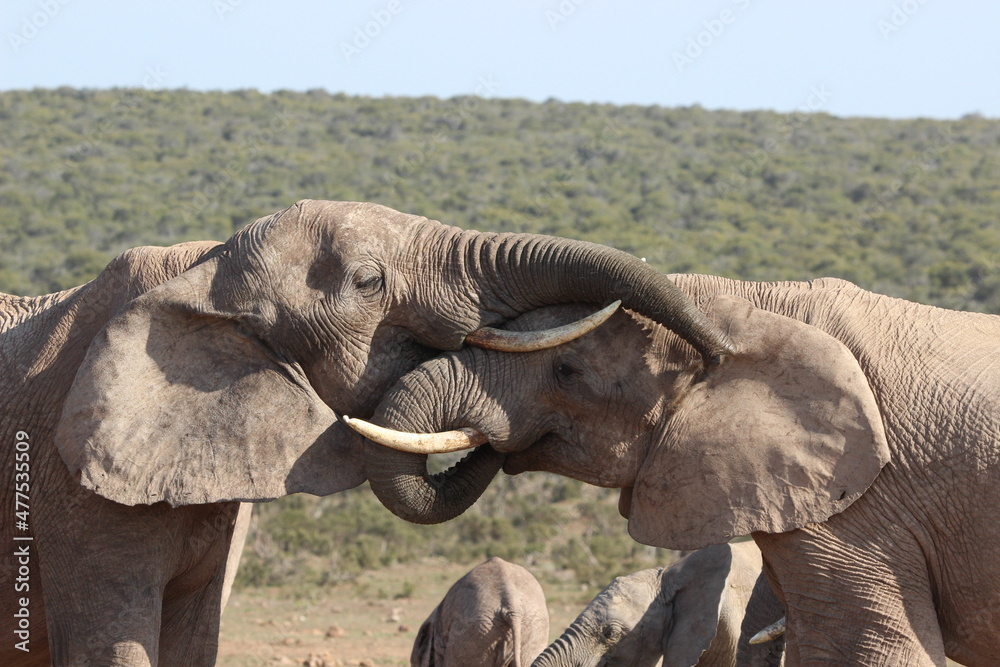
x: 176, y: 401
x: 695, y: 585
x: 783, y: 433
x: 422, y: 654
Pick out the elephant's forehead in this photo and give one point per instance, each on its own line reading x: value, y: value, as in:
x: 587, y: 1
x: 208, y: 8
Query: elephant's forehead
x: 333, y: 222
x: 638, y: 588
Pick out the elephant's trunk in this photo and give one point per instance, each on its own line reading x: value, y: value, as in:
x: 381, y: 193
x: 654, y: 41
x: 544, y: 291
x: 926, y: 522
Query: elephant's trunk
x: 525, y: 271
x: 566, y: 651
x: 424, y: 401
x: 401, y: 482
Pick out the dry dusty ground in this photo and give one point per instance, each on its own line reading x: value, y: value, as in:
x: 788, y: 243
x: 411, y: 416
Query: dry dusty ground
x: 372, y: 621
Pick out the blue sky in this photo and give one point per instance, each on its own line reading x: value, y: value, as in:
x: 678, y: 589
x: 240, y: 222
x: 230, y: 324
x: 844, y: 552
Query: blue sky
x: 887, y: 58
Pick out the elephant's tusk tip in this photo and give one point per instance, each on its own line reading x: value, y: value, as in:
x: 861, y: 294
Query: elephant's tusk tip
x: 769, y: 633
x: 418, y: 443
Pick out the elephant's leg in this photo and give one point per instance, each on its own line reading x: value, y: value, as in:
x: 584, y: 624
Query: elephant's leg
x: 103, y: 568
x: 109, y: 619
x: 236, y: 543
x: 194, y: 599
x: 853, y: 596
x: 190, y: 631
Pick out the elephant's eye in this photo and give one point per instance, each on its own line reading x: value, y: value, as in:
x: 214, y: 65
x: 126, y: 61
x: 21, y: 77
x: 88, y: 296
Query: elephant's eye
x: 368, y: 283
x: 611, y: 633
x: 565, y: 371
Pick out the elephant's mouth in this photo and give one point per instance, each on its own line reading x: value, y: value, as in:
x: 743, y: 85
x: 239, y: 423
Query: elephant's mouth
x: 531, y: 458
x: 515, y: 464
x: 550, y: 453
x: 556, y: 454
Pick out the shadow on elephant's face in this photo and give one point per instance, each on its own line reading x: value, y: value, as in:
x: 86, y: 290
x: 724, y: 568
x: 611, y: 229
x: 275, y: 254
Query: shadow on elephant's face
x: 605, y: 397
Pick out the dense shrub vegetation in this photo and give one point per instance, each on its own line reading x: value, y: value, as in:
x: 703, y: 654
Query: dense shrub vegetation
x: 555, y: 524
x: 904, y: 207
x: 908, y: 208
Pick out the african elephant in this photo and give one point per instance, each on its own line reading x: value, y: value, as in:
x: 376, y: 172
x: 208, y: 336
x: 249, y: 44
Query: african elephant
x: 854, y: 435
x: 494, y: 616
x: 685, y: 614
x: 138, y: 409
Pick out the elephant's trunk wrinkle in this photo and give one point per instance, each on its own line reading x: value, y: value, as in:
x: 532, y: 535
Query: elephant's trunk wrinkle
x: 402, y: 484
x: 560, y: 652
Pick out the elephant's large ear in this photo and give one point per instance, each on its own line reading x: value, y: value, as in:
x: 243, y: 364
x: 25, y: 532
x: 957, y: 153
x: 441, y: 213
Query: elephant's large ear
x: 175, y: 401
x: 422, y: 654
x: 784, y: 433
x: 695, y: 586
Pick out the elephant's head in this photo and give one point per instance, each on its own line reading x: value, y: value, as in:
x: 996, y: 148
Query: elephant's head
x: 669, y: 614
x: 222, y: 382
x: 786, y: 431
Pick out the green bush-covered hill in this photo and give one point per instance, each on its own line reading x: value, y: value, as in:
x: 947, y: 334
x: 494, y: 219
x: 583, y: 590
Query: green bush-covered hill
x: 904, y: 207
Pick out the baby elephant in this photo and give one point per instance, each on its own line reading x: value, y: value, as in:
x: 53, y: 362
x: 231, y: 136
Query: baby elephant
x: 686, y: 614
x: 494, y: 616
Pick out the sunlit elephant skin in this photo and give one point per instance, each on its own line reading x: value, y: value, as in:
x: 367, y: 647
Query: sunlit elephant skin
x: 494, y: 616
x: 185, y: 379
x: 685, y: 614
x: 853, y: 434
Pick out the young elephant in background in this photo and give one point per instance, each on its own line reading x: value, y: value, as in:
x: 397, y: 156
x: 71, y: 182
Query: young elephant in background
x: 686, y: 614
x: 494, y: 616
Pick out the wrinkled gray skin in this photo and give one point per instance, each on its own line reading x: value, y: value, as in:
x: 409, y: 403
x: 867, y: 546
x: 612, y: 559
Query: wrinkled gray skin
x: 853, y: 434
x: 184, y: 379
x: 685, y: 614
x: 494, y: 616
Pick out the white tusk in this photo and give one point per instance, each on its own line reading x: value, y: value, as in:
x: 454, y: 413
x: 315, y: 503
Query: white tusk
x: 769, y: 633
x: 530, y: 341
x: 418, y: 443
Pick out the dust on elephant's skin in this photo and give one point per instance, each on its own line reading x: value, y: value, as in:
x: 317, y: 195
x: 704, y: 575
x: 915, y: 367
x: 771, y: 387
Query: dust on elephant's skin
x: 852, y: 434
x: 184, y: 380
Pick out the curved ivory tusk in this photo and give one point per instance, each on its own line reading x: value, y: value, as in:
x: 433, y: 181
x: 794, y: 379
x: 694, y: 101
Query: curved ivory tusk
x: 769, y: 633
x: 530, y: 341
x: 418, y: 443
